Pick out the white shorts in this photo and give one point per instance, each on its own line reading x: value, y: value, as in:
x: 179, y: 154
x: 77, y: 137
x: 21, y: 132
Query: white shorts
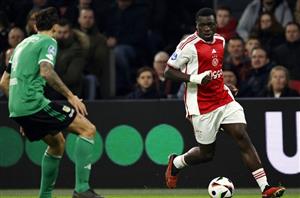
x: 206, y: 126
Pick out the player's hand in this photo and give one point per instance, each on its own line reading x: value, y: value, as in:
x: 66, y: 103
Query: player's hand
x: 233, y: 89
x: 22, y: 131
x: 78, y: 105
x: 202, y: 78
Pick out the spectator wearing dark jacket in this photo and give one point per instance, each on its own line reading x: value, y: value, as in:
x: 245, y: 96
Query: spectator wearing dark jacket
x: 126, y: 30
x: 257, y: 81
x: 268, y: 31
x: 226, y: 24
x: 280, y: 8
x: 288, y: 53
x: 278, y: 84
x: 146, y: 87
x: 98, y: 55
x: 71, y: 58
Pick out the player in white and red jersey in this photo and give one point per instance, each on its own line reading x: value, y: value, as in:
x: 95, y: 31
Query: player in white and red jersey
x: 209, y: 103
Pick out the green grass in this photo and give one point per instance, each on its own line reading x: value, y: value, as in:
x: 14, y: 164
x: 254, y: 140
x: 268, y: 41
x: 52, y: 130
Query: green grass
x: 147, y: 193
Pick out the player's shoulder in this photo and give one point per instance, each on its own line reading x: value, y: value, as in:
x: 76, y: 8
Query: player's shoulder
x: 219, y: 37
x: 187, y: 41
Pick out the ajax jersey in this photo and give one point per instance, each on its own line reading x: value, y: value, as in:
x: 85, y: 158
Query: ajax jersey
x: 193, y: 55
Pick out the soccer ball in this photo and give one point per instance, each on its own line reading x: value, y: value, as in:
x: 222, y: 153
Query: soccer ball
x: 220, y: 187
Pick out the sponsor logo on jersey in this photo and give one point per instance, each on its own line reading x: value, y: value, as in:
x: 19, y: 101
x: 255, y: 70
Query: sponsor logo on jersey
x: 174, y: 56
x: 66, y: 109
x: 51, y: 50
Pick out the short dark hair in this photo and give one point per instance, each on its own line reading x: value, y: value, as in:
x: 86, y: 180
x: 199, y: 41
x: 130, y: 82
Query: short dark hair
x: 224, y: 7
x: 205, y: 12
x: 46, y: 18
x: 237, y: 38
x: 64, y: 22
x: 292, y: 23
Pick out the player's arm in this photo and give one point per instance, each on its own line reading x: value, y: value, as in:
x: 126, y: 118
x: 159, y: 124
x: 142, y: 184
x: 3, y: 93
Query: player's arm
x: 177, y: 75
x: 178, y: 62
x: 47, y: 72
x: 4, y: 83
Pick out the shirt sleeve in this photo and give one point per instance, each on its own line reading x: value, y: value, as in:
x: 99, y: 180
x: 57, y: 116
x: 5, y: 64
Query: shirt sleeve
x: 48, y: 51
x: 8, y: 67
x: 179, y: 58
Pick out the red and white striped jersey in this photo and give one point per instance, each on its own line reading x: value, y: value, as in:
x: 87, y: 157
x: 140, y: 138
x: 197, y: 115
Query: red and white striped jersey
x: 193, y: 55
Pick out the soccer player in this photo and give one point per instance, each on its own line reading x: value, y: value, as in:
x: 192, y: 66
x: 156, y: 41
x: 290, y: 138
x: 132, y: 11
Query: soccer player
x: 209, y: 103
x: 30, y: 67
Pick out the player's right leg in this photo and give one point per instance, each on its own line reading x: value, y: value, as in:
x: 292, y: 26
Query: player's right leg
x: 196, y: 155
x: 205, y: 133
x: 50, y: 163
x: 83, y: 156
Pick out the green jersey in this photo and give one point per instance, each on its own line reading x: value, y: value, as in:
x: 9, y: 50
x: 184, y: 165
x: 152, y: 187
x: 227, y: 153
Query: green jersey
x: 26, y: 85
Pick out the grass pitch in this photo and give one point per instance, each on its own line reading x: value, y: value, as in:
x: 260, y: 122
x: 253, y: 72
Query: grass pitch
x: 147, y: 193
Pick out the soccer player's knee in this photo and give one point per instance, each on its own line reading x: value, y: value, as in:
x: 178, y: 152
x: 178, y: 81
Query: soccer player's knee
x: 91, y: 131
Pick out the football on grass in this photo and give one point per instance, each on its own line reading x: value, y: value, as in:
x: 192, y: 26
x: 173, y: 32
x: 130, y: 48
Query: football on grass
x: 220, y: 187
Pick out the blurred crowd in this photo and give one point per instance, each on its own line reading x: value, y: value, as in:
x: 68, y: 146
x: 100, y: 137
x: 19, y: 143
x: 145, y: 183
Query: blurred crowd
x: 119, y: 48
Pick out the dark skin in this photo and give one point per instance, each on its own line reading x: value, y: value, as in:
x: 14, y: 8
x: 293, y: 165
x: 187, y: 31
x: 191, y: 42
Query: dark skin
x: 206, y: 28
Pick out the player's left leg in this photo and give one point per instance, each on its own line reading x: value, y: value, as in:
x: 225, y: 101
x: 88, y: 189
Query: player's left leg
x: 250, y: 157
x: 50, y: 163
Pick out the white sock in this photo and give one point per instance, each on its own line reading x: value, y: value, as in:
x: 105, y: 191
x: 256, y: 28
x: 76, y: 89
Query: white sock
x: 179, y: 162
x: 261, y: 178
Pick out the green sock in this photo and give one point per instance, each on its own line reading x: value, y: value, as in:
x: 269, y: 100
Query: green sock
x: 83, y: 153
x: 50, y: 166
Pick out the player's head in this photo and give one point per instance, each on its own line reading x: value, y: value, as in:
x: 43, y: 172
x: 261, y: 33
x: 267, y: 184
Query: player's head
x: 206, y: 23
x: 46, y: 19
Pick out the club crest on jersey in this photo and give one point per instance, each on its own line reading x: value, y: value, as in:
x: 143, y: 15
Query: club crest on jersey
x: 214, y: 62
x: 174, y: 56
x: 51, y: 50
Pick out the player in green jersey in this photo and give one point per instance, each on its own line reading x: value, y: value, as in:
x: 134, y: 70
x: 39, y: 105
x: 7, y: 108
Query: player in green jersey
x: 30, y: 67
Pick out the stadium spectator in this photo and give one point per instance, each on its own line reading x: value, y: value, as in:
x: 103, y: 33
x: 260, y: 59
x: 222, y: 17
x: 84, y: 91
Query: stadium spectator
x: 297, y: 12
x: 229, y: 77
x: 288, y: 53
x: 226, y: 24
x: 98, y: 55
x: 166, y: 87
x: 251, y: 43
x: 146, y: 87
x: 15, y: 36
x: 30, y: 30
x: 72, y: 11
x: 236, y: 59
x: 4, y: 29
x: 280, y: 8
x: 127, y: 34
x: 257, y: 81
x: 71, y: 58
x: 278, y: 84
x: 268, y: 31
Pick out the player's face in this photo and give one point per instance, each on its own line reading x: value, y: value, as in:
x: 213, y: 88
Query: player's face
x: 278, y: 80
x: 145, y: 80
x: 206, y: 27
